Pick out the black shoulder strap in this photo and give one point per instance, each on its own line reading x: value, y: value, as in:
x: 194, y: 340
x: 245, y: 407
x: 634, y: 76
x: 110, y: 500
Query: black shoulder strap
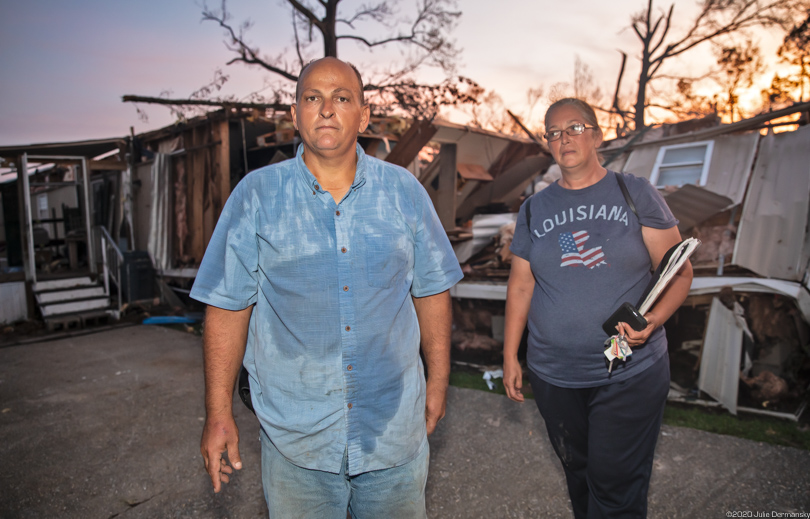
x: 623, y: 187
x: 529, y: 213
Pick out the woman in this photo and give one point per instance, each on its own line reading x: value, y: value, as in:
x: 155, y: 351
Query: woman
x: 580, y: 252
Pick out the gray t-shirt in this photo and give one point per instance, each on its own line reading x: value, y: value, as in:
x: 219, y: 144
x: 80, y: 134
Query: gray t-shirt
x: 588, y: 257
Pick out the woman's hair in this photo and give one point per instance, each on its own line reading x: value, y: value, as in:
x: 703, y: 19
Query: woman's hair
x: 584, y: 110
x: 582, y: 107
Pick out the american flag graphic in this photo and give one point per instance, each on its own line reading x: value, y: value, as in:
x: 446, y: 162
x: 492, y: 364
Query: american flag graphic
x: 574, y: 253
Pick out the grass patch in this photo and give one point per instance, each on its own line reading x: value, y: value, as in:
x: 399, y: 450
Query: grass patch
x: 763, y: 429
x: 475, y: 380
x: 750, y: 427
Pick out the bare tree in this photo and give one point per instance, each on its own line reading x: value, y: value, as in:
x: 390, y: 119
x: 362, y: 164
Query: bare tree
x: 780, y: 92
x: 715, y: 19
x: 687, y: 103
x: 740, y: 65
x: 422, y: 38
x: 491, y: 114
x: 795, y: 50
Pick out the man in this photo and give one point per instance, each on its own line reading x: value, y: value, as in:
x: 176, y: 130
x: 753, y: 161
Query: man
x: 331, y: 267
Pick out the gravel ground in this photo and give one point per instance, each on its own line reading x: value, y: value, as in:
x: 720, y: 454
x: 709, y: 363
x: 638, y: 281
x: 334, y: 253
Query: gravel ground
x: 107, y: 425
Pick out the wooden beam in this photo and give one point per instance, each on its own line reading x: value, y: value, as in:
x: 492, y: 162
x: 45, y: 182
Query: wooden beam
x: 445, y: 200
x: 466, y: 190
x: 223, y: 171
x: 196, y: 176
x: 506, y: 187
x: 408, y: 147
x: 513, y: 154
x: 211, y: 190
x: 106, y: 165
x: 430, y: 173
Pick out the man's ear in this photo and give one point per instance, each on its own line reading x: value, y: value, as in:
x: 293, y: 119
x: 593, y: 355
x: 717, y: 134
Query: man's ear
x: 365, y: 117
x: 293, y: 109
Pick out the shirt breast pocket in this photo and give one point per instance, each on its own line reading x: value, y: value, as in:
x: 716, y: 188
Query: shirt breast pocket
x: 387, y: 259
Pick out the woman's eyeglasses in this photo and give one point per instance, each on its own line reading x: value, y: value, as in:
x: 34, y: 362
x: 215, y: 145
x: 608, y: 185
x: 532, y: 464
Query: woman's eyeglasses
x: 574, y: 129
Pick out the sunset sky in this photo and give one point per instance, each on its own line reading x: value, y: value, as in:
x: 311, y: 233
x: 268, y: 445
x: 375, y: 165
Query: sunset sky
x: 65, y: 65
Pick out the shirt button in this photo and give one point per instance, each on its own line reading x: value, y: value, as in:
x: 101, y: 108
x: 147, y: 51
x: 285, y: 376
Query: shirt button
x: 337, y: 213
x: 343, y: 250
x: 348, y: 328
x: 349, y: 367
x: 313, y: 192
x: 316, y: 187
x: 346, y: 288
x: 349, y: 406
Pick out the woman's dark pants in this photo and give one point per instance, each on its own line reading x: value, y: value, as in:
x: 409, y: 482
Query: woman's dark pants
x: 605, y: 438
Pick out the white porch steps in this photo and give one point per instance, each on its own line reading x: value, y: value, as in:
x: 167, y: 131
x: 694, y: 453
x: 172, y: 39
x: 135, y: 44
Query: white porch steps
x: 71, y: 301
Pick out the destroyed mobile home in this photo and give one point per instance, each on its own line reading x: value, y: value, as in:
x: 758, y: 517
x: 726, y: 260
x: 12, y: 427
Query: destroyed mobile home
x: 154, y: 199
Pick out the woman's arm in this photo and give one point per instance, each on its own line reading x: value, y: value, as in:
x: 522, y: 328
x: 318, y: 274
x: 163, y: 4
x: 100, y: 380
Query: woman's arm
x: 658, y: 242
x: 518, y: 299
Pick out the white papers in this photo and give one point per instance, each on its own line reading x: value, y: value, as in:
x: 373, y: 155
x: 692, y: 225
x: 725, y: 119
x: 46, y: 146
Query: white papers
x: 679, y: 254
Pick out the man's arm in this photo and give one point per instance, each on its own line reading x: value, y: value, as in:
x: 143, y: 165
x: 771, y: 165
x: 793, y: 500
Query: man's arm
x: 435, y: 315
x: 224, y: 339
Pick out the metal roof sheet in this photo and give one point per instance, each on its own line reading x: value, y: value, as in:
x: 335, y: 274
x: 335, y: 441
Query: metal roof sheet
x: 772, y: 235
x: 692, y: 205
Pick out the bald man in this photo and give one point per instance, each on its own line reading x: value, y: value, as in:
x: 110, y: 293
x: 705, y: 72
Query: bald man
x: 323, y: 277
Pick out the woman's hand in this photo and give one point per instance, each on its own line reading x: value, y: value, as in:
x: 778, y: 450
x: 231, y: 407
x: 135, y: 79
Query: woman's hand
x: 513, y: 379
x: 635, y: 338
x: 519, y: 292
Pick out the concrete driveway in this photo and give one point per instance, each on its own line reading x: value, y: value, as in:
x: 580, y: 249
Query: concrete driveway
x: 107, y: 425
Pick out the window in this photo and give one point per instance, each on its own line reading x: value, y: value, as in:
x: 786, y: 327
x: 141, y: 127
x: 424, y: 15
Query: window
x: 681, y: 164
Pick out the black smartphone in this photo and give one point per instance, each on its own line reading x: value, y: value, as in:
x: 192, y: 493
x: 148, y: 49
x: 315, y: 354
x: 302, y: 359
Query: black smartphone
x: 626, y: 313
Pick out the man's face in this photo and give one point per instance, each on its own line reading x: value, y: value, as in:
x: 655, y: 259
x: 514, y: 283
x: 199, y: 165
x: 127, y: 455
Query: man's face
x: 330, y: 112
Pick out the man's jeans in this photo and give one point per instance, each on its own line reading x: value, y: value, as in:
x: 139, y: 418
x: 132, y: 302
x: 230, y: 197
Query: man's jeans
x: 295, y: 492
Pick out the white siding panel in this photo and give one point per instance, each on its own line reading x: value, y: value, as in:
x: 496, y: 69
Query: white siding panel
x: 641, y: 161
x: 730, y: 163
x: 720, y: 359
x: 772, y: 232
x: 13, y: 306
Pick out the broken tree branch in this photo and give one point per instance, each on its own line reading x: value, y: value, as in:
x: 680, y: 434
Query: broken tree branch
x: 204, y: 102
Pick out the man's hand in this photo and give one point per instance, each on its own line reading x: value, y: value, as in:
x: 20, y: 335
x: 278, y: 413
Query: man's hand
x: 513, y: 379
x: 220, y: 435
x: 435, y: 405
x: 224, y: 338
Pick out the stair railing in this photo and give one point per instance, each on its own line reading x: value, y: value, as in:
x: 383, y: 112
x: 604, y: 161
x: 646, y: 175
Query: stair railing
x: 113, y: 259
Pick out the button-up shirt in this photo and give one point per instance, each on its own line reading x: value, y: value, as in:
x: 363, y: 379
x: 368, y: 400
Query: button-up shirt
x: 333, y: 339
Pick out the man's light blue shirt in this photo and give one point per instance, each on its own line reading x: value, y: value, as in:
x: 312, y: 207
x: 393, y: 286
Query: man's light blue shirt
x: 333, y: 343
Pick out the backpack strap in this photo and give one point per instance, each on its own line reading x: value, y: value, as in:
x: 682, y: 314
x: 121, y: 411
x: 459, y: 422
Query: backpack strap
x: 623, y: 187
x: 529, y: 214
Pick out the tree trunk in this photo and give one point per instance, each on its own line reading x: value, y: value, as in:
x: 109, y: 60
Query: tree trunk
x: 641, y: 96
x: 329, y: 30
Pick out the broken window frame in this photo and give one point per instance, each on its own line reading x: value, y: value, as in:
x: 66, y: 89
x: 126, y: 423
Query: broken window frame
x: 703, y: 164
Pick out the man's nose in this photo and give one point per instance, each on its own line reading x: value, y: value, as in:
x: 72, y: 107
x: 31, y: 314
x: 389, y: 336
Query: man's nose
x: 327, y: 109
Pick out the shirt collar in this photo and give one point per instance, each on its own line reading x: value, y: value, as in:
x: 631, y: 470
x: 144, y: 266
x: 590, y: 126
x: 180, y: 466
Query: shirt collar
x: 312, y: 183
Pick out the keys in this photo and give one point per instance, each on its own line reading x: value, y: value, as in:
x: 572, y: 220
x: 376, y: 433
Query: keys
x: 617, y: 348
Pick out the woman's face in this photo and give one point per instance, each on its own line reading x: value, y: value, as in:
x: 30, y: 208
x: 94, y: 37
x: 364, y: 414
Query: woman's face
x: 573, y: 151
